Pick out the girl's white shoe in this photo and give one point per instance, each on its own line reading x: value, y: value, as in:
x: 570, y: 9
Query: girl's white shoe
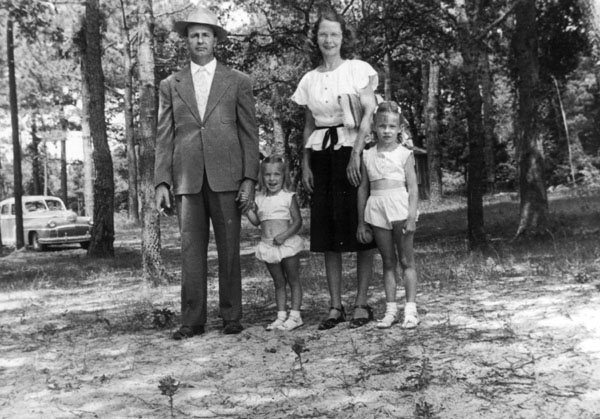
x: 291, y: 323
x: 276, y: 324
x: 387, y: 321
x: 411, y: 317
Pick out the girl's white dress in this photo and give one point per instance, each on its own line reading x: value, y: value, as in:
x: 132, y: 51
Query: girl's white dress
x: 384, y: 206
x: 276, y: 207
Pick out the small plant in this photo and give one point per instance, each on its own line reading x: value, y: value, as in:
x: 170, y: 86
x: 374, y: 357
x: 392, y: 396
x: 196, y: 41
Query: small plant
x: 298, y: 347
x: 168, y: 386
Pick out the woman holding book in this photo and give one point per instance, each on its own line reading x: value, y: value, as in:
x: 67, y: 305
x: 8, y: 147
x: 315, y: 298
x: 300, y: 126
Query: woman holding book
x: 331, y: 161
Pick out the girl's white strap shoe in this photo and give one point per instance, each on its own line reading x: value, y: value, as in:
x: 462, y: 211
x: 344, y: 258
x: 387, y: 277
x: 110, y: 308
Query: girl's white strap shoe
x: 390, y: 317
x: 291, y: 323
x: 411, y: 317
x: 281, y: 316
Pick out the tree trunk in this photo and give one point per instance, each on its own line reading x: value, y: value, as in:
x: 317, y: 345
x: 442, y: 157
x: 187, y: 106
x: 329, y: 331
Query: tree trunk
x: 36, y: 170
x: 14, y: 121
x: 387, y: 76
x: 488, y: 122
x: 152, y: 263
x: 133, y: 208
x: 103, y: 232
x: 88, y: 162
x: 64, y: 194
x: 470, y: 50
x: 534, y: 201
x: 434, y: 153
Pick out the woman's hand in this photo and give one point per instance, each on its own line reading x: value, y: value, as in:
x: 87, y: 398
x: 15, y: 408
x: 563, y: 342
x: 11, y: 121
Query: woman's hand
x: 307, y: 178
x: 364, y: 234
x: 279, y: 240
x: 353, y: 169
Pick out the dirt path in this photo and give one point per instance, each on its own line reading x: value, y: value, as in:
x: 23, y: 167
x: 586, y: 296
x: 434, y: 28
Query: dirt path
x: 517, y: 346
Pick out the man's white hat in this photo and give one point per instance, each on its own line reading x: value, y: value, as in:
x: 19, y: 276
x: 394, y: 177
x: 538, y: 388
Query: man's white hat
x: 201, y: 15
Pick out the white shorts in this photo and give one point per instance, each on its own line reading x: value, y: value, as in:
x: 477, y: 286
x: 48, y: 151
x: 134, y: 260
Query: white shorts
x: 385, y: 206
x: 270, y: 253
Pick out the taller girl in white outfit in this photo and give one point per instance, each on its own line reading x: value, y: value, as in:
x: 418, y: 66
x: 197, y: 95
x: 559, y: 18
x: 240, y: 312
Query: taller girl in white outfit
x: 387, y: 204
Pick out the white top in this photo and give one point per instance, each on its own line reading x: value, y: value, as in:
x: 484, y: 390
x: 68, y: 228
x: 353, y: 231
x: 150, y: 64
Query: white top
x: 274, y: 207
x: 386, y: 164
x: 319, y: 91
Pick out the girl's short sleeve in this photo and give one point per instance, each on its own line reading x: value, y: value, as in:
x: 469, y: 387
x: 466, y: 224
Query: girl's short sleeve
x: 361, y: 73
x: 300, y: 96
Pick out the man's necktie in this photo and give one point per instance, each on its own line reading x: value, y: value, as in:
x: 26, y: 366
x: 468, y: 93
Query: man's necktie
x: 202, y: 90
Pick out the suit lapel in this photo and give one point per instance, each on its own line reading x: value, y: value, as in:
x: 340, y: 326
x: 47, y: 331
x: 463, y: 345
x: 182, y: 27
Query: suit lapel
x: 220, y: 84
x: 185, y: 89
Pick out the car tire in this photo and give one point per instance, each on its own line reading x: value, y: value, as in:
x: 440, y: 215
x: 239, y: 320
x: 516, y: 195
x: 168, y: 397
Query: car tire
x: 85, y: 245
x: 35, y: 242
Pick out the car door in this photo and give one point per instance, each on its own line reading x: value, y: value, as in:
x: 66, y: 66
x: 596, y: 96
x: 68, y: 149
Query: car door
x: 7, y: 224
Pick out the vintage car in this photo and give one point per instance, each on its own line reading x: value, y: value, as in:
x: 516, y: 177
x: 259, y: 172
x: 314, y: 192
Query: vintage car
x: 46, y: 221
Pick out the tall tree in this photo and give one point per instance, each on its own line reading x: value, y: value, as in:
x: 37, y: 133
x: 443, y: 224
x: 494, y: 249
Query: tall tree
x: 14, y: 119
x: 470, y: 46
x: 432, y: 133
x: 103, y: 233
x: 152, y: 263
x: 132, y: 166
x: 534, y: 200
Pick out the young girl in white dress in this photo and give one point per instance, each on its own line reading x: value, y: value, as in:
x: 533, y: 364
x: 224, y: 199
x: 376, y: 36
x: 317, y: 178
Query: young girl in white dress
x: 277, y: 212
x: 387, y: 207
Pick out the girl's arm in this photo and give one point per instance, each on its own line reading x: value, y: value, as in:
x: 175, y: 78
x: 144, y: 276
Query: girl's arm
x: 413, y: 193
x: 362, y: 195
x: 252, y: 216
x: 295, y: 223
x: 309, y: 127
x: 367, y: 100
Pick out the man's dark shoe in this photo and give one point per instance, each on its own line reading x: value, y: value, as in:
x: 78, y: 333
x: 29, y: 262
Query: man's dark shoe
x: 232, y: 327
x: 188, y: 332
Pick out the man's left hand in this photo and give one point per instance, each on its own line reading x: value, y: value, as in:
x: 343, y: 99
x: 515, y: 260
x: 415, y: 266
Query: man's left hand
x: 245, y: 196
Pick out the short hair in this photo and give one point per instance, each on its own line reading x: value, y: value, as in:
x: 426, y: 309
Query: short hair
x: 347, y: 47
x: 275, y: 159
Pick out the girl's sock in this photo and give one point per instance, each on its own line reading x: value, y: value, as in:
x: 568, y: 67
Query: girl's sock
x: 282, y: 315
x: 410, y: 306
x: 391, y: 308
x: 295, y: 313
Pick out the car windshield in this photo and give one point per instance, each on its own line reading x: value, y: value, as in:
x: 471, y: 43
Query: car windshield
x: 54, y: 205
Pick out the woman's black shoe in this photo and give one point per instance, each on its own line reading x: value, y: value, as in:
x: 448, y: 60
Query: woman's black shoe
x: 355, y: 323
x: 331, y: 322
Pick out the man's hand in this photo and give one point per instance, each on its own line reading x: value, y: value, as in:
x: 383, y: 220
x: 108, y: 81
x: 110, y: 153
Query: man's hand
x: 245, y: 196
x: 307, y: 179
x: 162, y: 198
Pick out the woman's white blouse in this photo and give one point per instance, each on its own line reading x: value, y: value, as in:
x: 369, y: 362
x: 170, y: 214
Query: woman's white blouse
x: 319, y: 91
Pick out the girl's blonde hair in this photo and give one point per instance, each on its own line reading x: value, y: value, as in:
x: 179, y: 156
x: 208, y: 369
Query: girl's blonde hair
x: 275, y: 159
x: 388, y: 106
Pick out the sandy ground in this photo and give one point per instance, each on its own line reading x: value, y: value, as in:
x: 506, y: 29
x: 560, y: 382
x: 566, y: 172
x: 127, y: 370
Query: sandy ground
x: 518, y: 346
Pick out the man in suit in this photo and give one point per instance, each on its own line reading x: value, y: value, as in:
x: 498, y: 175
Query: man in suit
x: 207, y: 158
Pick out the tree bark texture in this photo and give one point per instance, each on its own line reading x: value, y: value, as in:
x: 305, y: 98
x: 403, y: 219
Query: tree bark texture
x: 132, y: 171
x: 534, y: 200
x: 14, y: 121
x: 64, y: 193
x: 103, y: 233
x: 86, y: 138
x: 470, y: 49
x: 36, y: 163
x: 488, y: 121
x: 152, y: 263
x: 434, y: 153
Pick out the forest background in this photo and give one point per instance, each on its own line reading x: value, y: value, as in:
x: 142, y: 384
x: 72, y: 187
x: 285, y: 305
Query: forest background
x: 499, y: 96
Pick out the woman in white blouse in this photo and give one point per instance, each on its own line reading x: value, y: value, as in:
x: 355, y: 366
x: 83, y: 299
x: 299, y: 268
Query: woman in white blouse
x: 331, y: 162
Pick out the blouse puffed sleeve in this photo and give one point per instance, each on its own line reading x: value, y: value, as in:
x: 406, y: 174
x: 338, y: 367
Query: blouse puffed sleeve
x: 361, y: 75
x: 300, y: 96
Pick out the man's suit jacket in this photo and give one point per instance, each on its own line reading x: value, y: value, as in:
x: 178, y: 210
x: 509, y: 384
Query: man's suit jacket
x: 224, y: 144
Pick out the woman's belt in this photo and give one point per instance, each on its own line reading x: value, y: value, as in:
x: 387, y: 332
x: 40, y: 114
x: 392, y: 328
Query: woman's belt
x: 331, y: 134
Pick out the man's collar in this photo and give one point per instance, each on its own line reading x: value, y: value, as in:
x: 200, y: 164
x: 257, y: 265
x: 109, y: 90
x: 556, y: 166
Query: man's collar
x: 210, y: 67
